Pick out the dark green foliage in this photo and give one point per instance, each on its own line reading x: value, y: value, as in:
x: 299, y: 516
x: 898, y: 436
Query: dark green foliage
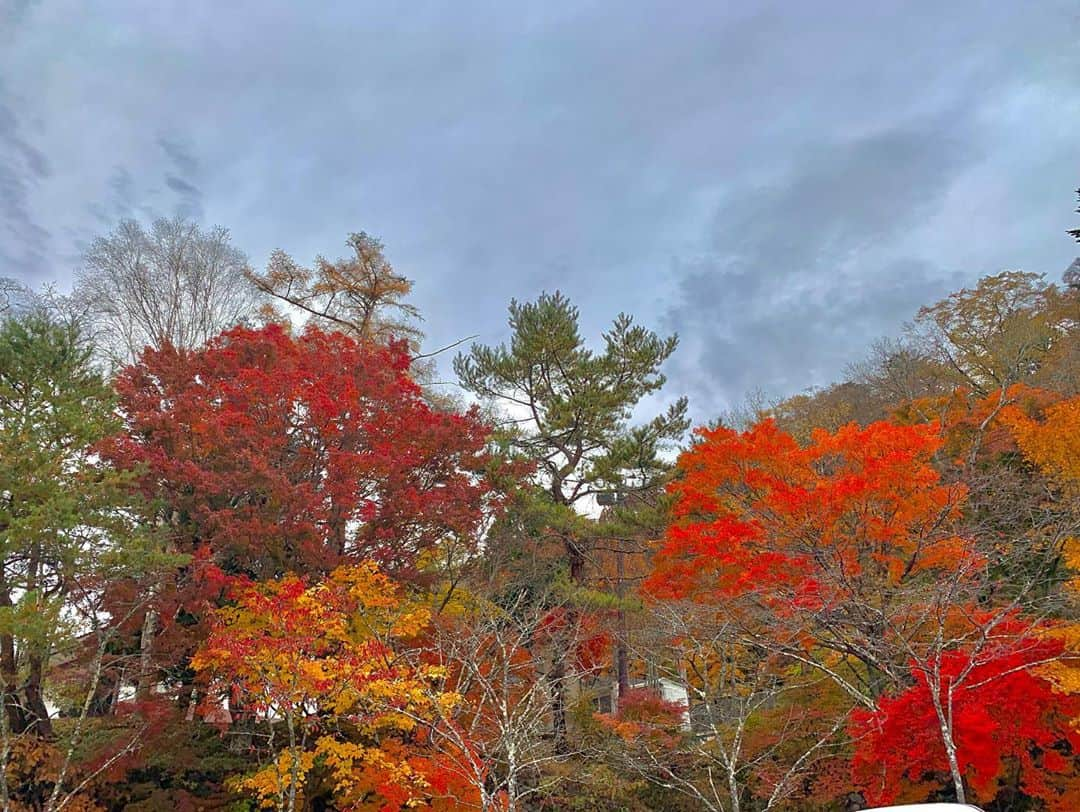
x: 569, y: 408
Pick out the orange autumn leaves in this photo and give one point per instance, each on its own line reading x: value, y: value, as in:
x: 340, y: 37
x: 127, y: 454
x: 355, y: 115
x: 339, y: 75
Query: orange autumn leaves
x: 1053, y: 443
x: 809, y: 526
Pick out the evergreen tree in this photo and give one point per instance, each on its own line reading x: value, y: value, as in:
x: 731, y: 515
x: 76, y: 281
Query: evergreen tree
x: 67, y: 522
x: 569, y: 410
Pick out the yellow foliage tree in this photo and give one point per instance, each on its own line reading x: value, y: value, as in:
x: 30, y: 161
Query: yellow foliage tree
x: 323, y: 666
x: 1053, y: 444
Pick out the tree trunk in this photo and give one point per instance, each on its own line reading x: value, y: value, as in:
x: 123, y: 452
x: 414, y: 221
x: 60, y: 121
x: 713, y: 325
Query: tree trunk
x: 146, y: 651
x: 38, y: 721
x: 294, y: 762
x: 9, y: 676
x: 945, y: 724
x: 16, y: 719
x: 563, y: 648
x: 733, y: 787
x: 511, y: 791
x: 576, y: 559
x: 622, y: 659
x: 557, y: 686
x: 5, y: 757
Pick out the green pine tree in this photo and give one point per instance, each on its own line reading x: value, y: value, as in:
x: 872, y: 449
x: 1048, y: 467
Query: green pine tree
x: 569, y: 411
x: 68, y: 522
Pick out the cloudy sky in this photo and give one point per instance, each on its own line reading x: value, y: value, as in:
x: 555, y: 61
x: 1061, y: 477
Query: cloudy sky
x: 779, y: 183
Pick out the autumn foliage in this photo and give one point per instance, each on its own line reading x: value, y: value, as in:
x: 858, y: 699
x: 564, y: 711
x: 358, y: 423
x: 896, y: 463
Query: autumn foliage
x: 1012, y: 730
x: 268, y: 453
x: 848, y: 556
x: 323, y: 666
x: 808, y: 527
x: 644, y: 714
x: 1052, y: 443
x: 280, y: 453
x: 273, y: 570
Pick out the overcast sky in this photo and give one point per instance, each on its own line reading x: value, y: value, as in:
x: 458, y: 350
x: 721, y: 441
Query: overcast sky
x: 780, y: 183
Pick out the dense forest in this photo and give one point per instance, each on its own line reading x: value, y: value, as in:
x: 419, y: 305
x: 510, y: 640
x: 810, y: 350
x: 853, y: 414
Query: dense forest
x: 254, y: 555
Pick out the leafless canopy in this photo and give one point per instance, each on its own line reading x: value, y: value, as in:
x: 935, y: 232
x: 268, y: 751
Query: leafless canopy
x: 174, y: 283
x: 11, y: 292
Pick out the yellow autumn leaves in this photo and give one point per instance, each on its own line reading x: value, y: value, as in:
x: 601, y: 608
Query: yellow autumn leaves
x: 326, y: 665
x: 1053, y: 444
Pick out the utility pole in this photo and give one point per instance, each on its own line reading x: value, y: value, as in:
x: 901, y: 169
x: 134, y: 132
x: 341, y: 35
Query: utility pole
x: 622, y: 658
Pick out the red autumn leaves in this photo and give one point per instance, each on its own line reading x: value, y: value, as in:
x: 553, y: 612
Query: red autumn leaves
x: 815, y: 525
x: 270, y: 453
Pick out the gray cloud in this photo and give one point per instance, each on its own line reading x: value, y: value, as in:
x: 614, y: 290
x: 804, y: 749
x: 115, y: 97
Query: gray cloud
x: 780, y: 182
x: 743, y: 333
x: 189, y: 198
x: 181, y: 156
x: 803, y: 268
x: 23, y: 241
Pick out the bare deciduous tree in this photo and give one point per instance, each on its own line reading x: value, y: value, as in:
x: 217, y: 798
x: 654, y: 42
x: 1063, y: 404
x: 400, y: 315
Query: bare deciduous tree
x: 174, y: 283
x: 755, y: 726
x: 10, y: 291
x: 497, y: 658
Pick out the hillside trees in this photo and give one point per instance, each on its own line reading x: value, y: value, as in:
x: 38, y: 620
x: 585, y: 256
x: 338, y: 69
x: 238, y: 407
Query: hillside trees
x: 1050, y: 442
x: 975, y: 345
x: 995, y: 334
x: 857, y: 552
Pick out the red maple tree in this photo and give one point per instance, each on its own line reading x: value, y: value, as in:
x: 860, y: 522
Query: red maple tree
x: 1012, y: 731
x: 269, y: 453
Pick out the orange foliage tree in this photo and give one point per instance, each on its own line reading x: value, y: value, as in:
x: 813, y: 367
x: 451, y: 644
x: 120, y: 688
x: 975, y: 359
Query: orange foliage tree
x: 831, y: 539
